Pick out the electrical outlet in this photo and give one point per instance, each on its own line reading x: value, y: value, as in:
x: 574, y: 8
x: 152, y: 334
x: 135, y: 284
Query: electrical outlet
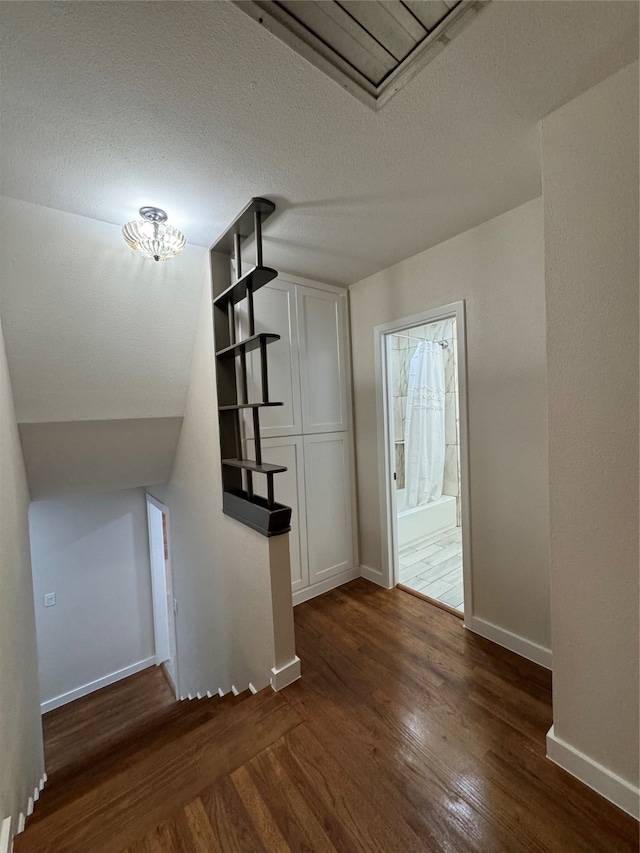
x: 50, y: 599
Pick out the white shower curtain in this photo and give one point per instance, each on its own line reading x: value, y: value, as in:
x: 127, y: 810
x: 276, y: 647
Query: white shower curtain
x: 424, y: 436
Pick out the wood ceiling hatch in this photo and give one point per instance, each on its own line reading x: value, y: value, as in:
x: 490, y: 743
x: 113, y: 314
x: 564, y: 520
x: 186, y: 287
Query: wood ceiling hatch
x: 370, y: 47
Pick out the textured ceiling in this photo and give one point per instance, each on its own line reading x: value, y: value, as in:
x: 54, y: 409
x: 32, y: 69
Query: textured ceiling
x: 194, y: 107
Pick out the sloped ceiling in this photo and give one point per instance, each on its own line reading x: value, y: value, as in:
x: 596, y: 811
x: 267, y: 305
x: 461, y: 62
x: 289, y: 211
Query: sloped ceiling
x: 99, y: 344
x: 93, y: 331
x: 98, y: 456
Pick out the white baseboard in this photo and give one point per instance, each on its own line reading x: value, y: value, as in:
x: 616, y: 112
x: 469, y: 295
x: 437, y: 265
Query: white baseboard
x: 5, y: 835
x: 301, y: 595
x: 514, y: 642
x: 373, y: 575
x: 286, y: 675
x: 85, y: 689
x: 608, y: 784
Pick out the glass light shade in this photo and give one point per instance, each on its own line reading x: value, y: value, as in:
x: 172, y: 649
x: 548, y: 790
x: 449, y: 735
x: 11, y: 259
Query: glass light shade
x: 154, y: 240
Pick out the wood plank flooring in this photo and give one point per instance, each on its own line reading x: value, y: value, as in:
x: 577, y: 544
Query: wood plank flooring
x: 405, y: 733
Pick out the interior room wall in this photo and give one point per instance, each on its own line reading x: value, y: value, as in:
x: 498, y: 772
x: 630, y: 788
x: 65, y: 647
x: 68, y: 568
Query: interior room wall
x: 498, y: 268
x: 21, y: 756
x: 590, y: 181
x: 221, y: 568
x: 92, y: 551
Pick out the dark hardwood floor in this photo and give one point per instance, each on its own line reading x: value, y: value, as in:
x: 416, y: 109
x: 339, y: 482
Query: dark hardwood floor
x: 405, y: 733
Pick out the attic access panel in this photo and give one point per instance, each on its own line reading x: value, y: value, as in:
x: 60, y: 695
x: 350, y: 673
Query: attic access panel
x: 370, y: 47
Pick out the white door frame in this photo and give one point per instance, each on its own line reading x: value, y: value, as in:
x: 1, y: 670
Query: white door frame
x: 386, y: 461
x: 160, y: 569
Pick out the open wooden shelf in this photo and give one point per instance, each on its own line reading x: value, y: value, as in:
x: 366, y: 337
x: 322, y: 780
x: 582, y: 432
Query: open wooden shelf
x: 255, y: 512
x: 239, y: 499
x: 237, y: 406
x: 248, y: 344
x: 255, y: 467
x: 252, y: 280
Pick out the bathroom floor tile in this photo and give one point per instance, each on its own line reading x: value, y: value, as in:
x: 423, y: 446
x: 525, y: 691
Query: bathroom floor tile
x: 439, y: 570
x: 454, y: 597
x: 431, y: 551
x: 443, y: 554
x: 410, y: 573
x: 433, y: 566
x: 454, y: 538
x: 431, y: 588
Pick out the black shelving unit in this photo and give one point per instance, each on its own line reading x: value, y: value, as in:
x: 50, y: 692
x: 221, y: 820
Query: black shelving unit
x: 238, y: 497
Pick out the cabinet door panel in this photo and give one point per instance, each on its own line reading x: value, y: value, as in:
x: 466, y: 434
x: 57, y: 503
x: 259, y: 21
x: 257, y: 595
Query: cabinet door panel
x: 289, y: 490
x: 275, y: 311
x: 328, y: 492
x: 322, y: 360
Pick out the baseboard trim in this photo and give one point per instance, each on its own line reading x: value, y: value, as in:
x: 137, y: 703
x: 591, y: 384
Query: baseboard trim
x: 5, y: 835
x: 514, y: 642
x: 286, y: 675
x: 85, y: 689
x: 373, y: 575
x: 169, y: 679
x: 606, y: 783
x: 301, y: 595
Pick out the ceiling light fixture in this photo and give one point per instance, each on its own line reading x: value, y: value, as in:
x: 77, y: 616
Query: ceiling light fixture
x: 152, y: 237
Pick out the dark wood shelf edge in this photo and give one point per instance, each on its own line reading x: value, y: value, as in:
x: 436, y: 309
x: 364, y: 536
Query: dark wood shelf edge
x: 248, y: 344
x: 255, y: 278
x: 251, y: 465
x: 256, y: 514
x: 237, y: 406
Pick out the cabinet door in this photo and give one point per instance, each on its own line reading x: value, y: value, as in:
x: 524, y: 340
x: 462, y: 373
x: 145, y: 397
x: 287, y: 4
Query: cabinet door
x: 289, y: 490
x: 328, y: 492
x: 321, y: 335
x: 275, y: 311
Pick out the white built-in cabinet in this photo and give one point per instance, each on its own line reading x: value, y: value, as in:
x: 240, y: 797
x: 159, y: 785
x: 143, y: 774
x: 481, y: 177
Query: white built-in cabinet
x: 323, y: 369
x: 311, y: 433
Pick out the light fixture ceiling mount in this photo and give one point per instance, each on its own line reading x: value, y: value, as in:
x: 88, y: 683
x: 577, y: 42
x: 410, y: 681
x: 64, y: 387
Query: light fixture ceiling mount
x: 152, y: 237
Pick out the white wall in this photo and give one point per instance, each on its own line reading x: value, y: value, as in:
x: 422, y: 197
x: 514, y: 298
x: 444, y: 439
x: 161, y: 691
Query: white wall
x: 92, y: 551
x: 21, y: 757
x: 590, y: 169
x: 498, y: 268
x: 222, y: 571
x: 93, y: 330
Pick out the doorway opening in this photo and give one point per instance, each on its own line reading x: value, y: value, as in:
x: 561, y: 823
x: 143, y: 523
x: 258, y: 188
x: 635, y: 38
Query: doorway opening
x: 425, y: 495
x: 164, y: 605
